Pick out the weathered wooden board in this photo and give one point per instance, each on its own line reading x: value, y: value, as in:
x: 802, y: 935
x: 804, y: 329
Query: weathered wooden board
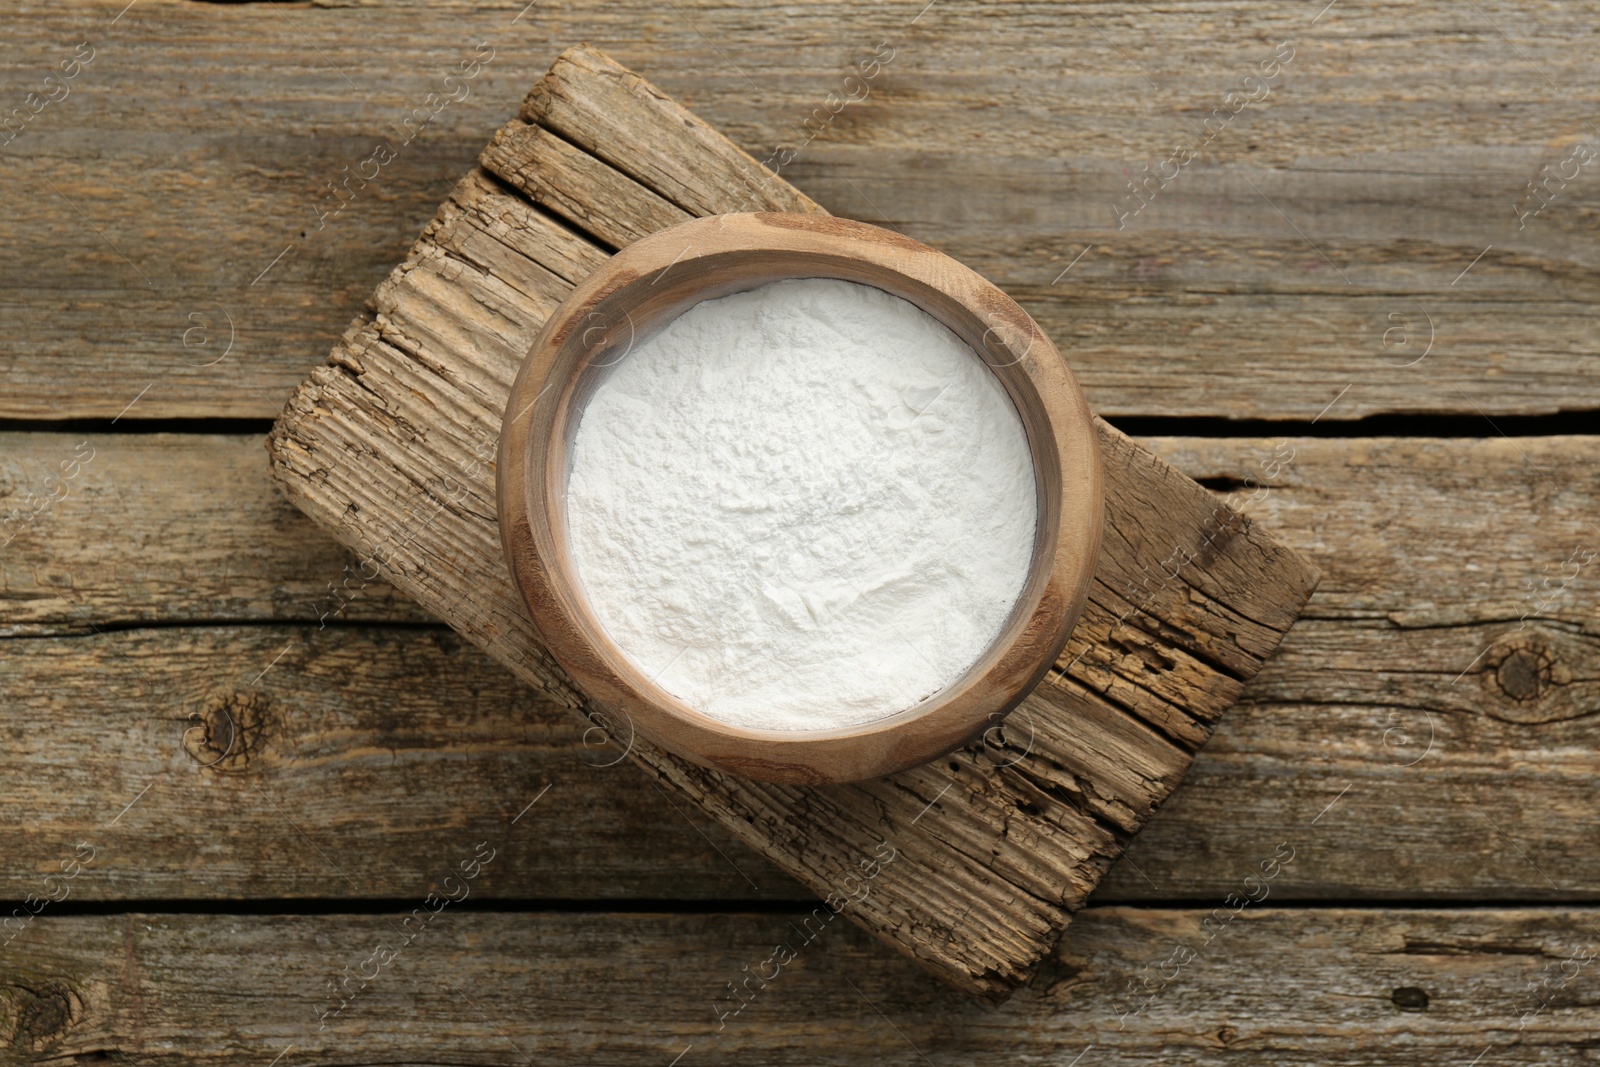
x: 1367, y: 687
x: 254, y: 757
x: 1001, y: 135
x: 1399, y: 145
x: 389, y: 446
x: 168, y: 527
x: 1258, y: 986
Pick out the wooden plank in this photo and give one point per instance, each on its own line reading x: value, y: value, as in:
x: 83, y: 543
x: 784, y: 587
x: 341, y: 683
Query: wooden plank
x: 389, y: 447
x: 99, y: 530
x: 1256, y: 986
x: 1002, y: 138
x: 281, y: 761
x: 1363, y: 684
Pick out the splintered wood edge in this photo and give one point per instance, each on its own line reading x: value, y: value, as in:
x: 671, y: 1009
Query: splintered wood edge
x: 985, y: 876
x: 615, y: 115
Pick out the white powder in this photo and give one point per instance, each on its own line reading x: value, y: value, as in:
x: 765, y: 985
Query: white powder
x: 806, y: 506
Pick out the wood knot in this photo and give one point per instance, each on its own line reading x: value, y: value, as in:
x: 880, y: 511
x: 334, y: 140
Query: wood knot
x: 41, y: 1016
x: 229, y: 731
x: 1409, y: 998
x: 1527, y: 677
x: 1524, y: 674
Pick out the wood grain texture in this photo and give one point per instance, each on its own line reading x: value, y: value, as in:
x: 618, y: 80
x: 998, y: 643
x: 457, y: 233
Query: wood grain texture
x: 1265, y: 986
x: 598, y: 104
x: 1450, y: 656
x: 288, y: 761
x: 1002, y: 136
x: 165, y: 527
x: 201, y: 141
x: 548, y: 170
x: 390, y: 446
x: 1451, y: 784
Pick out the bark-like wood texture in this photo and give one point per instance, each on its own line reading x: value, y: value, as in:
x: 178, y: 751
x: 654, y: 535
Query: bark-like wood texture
x: 1258, y: 283
x: 389, y: 446
x: 434, y: 984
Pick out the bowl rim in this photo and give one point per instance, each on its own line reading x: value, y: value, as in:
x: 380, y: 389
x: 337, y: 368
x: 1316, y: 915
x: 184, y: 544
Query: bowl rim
x: 657, y: 278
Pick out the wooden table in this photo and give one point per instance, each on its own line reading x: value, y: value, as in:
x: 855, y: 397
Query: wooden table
x: 238, y: 771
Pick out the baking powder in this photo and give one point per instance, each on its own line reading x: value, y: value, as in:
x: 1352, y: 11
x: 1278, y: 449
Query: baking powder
x: 805, y: 506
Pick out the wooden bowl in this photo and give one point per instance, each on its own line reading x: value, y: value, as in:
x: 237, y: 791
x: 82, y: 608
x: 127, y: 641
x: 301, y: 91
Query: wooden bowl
x: 651, y: 282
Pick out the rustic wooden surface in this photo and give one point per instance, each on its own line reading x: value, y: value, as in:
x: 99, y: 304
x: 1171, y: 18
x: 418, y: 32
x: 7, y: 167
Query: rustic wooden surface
x: 1397, y: 141
x: 390, y: 447
x: 1267, y: 985
x: 198, y: 140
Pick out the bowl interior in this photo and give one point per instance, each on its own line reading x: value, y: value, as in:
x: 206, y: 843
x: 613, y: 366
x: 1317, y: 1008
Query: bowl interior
x: 634, y: 312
